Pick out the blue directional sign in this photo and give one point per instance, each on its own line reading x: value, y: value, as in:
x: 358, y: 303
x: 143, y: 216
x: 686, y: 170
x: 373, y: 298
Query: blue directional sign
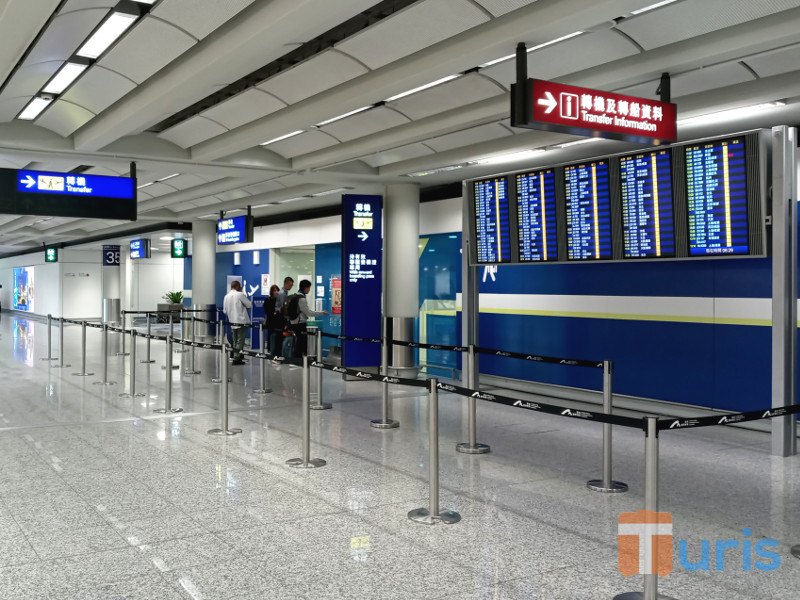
x: 69, y: 184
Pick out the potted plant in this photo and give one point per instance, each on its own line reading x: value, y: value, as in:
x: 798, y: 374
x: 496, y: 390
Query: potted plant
x: 174, y: 304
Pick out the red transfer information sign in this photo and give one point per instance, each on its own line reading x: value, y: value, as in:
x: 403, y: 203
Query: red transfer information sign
x: 582, y: 111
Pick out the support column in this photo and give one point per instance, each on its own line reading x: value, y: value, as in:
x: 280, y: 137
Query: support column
x: 401, y: 271
x: 111, y: 276
x: 204, y: 256
x: 470, y: 308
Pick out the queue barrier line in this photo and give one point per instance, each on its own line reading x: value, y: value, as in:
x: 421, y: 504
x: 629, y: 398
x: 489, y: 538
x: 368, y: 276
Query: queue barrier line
x: 369, y: 376
x: 729, y: 419
x: 571, y: 362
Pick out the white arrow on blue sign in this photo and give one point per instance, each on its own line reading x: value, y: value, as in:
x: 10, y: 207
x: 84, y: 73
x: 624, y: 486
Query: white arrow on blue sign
x: 28, y: 181
x: 363, y: 236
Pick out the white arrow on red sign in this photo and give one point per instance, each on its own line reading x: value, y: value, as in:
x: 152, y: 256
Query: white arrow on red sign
x: 550, y: 102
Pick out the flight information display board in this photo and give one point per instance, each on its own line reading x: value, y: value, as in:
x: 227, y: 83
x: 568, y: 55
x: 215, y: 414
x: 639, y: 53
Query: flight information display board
x: 492, y: 220
x: 716, y: 179
x: 588, y: 201
x: 647, y: 205
x: 536, y: 215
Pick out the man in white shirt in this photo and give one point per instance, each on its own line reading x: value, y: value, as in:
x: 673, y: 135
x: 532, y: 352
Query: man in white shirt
x: 235, y: 307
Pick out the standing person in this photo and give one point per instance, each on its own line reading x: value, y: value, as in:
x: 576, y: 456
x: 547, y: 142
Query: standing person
x: 288, y: 284
x: 272, y: 319
x: 298, y: 323
x: 281, y: 322
x: 235, y: 307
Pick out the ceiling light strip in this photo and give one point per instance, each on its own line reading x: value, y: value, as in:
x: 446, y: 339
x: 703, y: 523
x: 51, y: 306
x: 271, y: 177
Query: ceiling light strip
x: 34, y: 108
x: 281, y: 138
x: 533, y: 48
x: 423, y: 87
x: 109, y: 32
x: 732, y: 114
x: 344, y: 116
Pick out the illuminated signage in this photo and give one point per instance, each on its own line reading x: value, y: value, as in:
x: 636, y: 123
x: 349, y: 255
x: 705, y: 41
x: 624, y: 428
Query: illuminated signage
x: 588, y: 211
x: 178, y: 248
x: 51, y: 255
x: 492, y: 220
x: 536, y: 216
x: 235, y: 230
x: 22, y: 294
x: 140, y: 249
x: 111, y: 256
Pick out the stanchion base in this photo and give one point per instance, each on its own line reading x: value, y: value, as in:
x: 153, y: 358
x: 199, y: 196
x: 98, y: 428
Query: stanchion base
x: 127, y: 395
x: 122, y: 354
x: 218, y: 431
x: 322, y: 406
x: 313, y: 463
x: 167, y: 411
x: 467, y: 448
x: 616, y: 487
x: 190, y: 372
x: 45, y: 358
x: 264, y: 391
x: 639, y: 596
x: 105, y: 383
x: 381, y: 424
x: 421, y: 515
x: 174, y: 367
x: 62, y: 366
x: 219, y: 380
x: 796, y: 551
x: 83, y: 374
x: 147, y: 362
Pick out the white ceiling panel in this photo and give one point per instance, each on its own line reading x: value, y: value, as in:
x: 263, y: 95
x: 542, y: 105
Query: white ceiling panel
x: 412, y: 29
x: 199, y: 17
x: 775, y: 63
x: 369, y: 121
x: 685, y: 20
x: 397, y: 154
x: 315, y: 75
x: 98, y: 89
x: 693, y: 82
x: 159, y: 189
x: 302, y: 144
x: 459, y: 92
x: 64, y: 118
x: 67, y: 32
x: 11, y: 107
x: 104, y: 171
x: 501, y: 7
x: 232, y: 195
x: 29, y: 79
x: 147, y: 48
x: 474, y: 135
x: 579, y: 53
x: 243, y: 108
x: 263, y: 187
x: 73, y: 5
x: 185, y: 181
x: 191, y: 131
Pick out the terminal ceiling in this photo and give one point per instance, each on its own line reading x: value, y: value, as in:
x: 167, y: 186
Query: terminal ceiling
x: 225, y: 104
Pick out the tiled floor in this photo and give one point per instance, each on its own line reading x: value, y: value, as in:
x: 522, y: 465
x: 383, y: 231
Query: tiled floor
x: 101, y: 499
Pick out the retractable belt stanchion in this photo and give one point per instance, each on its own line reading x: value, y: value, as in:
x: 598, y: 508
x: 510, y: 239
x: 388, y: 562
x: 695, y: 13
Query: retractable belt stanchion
x: 223, y: 404
x: 147, y: 360
x: 432, y: 514
x: 132, y: 384
x: 472, y: 446
x: 654, y: 525
x: 607, y: 483
x: 105, y: 358
x: 319, y: 405
x: 168, y: 391
x: 192, y: 370
x: 123, y: 352
x: 264, y: 389
x: 83, y: 372
x: 62, y: 365
x: 50, y: 338
x: 385, y: 422
x: 306, y: 462
x: 179, y: 349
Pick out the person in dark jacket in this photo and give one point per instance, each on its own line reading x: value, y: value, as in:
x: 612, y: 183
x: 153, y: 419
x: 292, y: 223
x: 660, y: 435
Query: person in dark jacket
x: 273, y: 323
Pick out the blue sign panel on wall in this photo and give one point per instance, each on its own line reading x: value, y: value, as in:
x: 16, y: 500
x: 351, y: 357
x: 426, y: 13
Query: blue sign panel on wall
x: 361, y: 278
x: 110, y: 256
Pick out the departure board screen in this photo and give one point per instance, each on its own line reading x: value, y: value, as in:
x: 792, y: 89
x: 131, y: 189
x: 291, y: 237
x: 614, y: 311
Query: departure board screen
x: 647, y: 213
x: 536, y: 212
x: 588, y: 211
x: 492, y: 220
x: 716, y: 178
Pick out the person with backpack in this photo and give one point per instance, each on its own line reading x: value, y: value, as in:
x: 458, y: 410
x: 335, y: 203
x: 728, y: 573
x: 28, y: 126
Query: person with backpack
x: 298, y: 313
x: 235, y: 307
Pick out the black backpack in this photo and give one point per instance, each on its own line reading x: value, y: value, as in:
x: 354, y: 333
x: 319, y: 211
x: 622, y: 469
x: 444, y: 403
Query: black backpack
x: 291, y: 308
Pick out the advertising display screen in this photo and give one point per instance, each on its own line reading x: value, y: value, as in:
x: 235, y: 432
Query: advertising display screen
x: 588, y: 211
x: 536, y: 214
x: 140, y: 249
x: 716, y: 178
x: 647, y: 210
x: 492, y: 220
x: 23, y: 289
x: 235, y: 230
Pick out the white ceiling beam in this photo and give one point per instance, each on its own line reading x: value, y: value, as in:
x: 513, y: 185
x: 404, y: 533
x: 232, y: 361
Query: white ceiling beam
x: 20, y: 23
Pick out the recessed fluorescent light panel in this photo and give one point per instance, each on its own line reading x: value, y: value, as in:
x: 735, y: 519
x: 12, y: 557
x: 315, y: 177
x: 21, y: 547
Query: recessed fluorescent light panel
x: 64, y: 78
x: 144, y: 185
x: 652, y: 7
x: 731, y: 115
x: 34, y: 108
x: 168, y: 177
x: 329, y: 192
x: 434, y: 171
x: 423, y: 87
x: 344, y: 116
x: 580, y: 142
x: 533, y: 48
x: 493, y: 160
x: 283, y: 137
x: 108, y: 33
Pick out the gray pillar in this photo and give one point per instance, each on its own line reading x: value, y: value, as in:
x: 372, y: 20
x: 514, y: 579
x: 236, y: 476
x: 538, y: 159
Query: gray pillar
x: 204, y: 256
x: 401, y: 268
x: 112, y: 289
x: 470, y: 306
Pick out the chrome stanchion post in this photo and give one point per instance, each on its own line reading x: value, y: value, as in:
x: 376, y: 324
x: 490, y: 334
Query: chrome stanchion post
x: 651, y: 506
x: 122, y: 335
x: 132, y: 383
x: 168, y: 391
x: 192, y: 370
x: 306, y: 462
x: 83, y: 372
x: 179, y: 349
x: 432, y: 514
x: 264, y: 389
x: 105, y: 358
x: 472, y: 446
x: 607, y: 484
x: 61, y: 344
x: 49, y: 338
x: 147, y: 359
x: 385, y: 422
x: 796, y: 551
x: 223, y: 405
x: 319, y: 404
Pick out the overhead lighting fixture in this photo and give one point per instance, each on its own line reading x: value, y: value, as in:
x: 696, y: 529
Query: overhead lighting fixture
x: 35, y: 108
x: 283, y: 137
x: 344, y: 116
x: 168, y: 177
x: 532, y: 49
x: 108, y: 33
x: 513, y: 156
x: 423, y: 87
x: 264, y: 205
x: 293, y: 199
x: 64, y: 77
x: 329, y: 192
x: 146, y: 1
x: 652, y: 7
x: 144, y: 185
x: 434, y: 171
x: 588, y: 140
x: 732, y: 114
